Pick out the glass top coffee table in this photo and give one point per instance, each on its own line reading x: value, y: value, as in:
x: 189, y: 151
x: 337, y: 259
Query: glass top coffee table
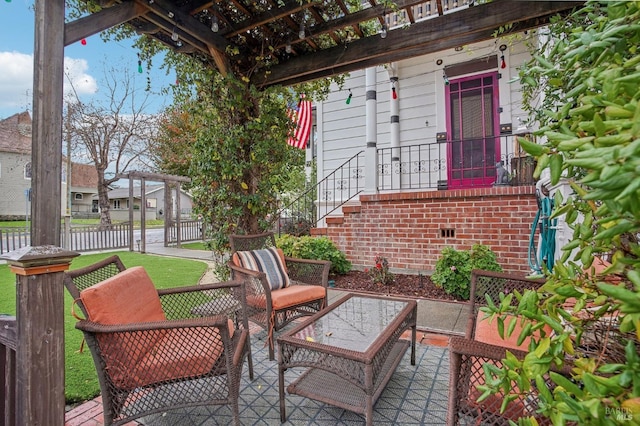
x: 349, y: 351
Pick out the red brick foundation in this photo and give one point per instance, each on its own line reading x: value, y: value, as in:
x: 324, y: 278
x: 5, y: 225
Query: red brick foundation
x: 411, y: 228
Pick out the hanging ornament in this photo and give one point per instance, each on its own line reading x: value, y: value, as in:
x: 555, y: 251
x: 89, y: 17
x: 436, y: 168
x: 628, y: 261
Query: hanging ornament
x: 82, y: 42
x: 349, y: 97
x: 503, y: 63
x: 139, y: 64
x: 394, y: 94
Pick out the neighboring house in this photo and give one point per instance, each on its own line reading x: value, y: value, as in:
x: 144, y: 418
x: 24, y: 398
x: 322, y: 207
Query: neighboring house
x: 155, y: 202
x: 15, y: 167
x: 15, y: 173
x: 84, y: 185
x: 419, y: 145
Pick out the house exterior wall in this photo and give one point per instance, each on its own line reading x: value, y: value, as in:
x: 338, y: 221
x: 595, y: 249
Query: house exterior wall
x: 421, y: 97
x: 410, y: 229
x: 13, y: 202
x: 410, y: 226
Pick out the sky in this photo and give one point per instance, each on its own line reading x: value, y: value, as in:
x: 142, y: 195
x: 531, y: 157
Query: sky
x: 85, y: 63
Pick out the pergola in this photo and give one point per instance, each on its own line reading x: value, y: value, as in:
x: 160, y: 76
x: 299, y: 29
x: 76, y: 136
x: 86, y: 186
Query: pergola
x: 271, y: 42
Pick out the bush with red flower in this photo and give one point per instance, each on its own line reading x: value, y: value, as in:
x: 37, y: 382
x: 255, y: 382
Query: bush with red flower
x: 380, y: 272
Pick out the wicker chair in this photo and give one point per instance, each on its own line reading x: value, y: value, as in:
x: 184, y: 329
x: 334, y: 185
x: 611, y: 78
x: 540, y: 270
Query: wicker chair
x: 274, y: 309
x: 156, y: 350
x: 469, y: 354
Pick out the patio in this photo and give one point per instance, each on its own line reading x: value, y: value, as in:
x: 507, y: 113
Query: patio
x: 414, y: 396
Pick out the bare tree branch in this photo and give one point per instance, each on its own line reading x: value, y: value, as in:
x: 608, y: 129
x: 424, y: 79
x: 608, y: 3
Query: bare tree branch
x: 113, y: 135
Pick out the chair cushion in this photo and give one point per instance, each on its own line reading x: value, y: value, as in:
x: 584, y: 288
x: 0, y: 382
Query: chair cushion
x: 487, y: 332
x: 268, y: 261
x: 126, y: 298
x: 181, y: 353
x: 290, y: 296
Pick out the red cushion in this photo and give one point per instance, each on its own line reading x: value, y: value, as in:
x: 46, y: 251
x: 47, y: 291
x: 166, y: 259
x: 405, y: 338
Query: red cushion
x: 126, y: 298
x: 487, y: 332
x: 289, y: 296
x: 181, y: 353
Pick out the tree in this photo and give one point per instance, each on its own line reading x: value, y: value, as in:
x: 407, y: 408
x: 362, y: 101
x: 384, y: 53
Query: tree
x: 112, y: 135
x: 589, y: 77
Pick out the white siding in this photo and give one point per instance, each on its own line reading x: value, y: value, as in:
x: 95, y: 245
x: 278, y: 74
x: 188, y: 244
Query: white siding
x: 420, y: 88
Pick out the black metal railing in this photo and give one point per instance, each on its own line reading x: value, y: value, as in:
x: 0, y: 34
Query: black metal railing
x: 341, y: 185
x: 454, y: 164
x: 318, y: 201
x: 435, y: 165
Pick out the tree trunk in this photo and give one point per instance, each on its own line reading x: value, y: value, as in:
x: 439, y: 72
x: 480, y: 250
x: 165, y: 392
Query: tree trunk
x: 103, y: 202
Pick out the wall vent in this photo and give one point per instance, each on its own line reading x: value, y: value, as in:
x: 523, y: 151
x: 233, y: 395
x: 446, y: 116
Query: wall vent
x: 447, y: 233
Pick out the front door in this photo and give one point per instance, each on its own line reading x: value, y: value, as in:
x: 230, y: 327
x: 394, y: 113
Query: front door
x: 472, y: 130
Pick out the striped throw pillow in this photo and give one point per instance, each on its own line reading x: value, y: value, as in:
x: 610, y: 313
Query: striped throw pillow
x: 267, y: 261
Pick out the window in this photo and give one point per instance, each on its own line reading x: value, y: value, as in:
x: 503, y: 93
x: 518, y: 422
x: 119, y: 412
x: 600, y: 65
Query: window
x: 27, y: 170
x: 116, y: 204
x: 78, y: 196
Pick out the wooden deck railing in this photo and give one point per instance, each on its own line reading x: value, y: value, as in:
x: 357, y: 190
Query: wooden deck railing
x: 8, y: 344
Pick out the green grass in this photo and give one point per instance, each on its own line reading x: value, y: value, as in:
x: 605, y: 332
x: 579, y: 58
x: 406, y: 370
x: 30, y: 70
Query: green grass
x: 198, y: 245
x: 81, y: 380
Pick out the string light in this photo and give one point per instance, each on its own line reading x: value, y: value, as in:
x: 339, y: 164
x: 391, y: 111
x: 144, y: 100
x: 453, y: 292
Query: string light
x: 445, y: 78
x: 139, y: 64
x: 383, y: 31
x: 503, y: 63
x: 288, y: 47
x: 82, y: 42
x: 215, y: 26
x: 394, y: 94
x: 174, y: 35
x: 301, y: 33
x: 348, y: 101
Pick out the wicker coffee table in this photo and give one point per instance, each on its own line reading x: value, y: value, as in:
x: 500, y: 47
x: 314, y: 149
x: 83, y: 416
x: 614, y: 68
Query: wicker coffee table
x: 349, y: 351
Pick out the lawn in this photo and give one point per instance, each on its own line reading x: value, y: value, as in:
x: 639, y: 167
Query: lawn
x: 81, y: 381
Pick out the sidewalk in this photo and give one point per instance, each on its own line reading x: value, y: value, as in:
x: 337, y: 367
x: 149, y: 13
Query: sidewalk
x: 434, y: 316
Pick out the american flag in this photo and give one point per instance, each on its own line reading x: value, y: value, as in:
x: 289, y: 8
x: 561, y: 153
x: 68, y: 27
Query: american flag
x: 301, y: 114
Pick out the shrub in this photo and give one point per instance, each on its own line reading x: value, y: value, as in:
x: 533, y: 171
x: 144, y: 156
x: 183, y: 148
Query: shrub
x: 453, y: 268
x: 590, y: 121
x: 318, y: 248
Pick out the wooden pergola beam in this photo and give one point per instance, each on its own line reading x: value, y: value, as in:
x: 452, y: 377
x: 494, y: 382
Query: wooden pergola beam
x: 473, y: 24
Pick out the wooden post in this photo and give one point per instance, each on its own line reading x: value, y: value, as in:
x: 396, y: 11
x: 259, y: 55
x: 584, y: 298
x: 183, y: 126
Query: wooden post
x: 40, y: 323
x: 46, y: 145
x: 143, y: 215
x: 178, y: 218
